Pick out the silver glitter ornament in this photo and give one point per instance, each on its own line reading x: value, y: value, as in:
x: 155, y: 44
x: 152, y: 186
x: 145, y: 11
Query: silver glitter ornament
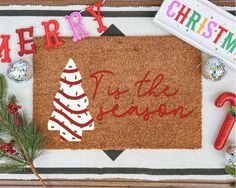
x: 213, y: 69
x: 20, y: 70
x: 231, y: 155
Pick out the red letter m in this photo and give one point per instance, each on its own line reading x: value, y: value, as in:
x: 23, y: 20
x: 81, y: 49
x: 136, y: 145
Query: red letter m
x: 5, y: 46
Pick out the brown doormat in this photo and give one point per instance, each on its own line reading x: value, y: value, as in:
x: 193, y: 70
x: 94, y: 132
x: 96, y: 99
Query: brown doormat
x: 160, y: 105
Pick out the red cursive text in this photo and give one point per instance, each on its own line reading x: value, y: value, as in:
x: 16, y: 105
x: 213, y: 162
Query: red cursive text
x: 145, y: 87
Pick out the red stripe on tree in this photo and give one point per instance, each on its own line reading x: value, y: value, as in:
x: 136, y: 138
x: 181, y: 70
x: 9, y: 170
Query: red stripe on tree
x: 63, y: 139
x: 70, y: 83
x: 72, y: 121
x: 71, y: 70
x: 71, y: 97
x: 69, y: 110
x: 66, y: 128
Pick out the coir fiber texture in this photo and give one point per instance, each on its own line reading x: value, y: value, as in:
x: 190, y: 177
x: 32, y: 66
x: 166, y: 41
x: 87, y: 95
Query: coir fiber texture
x: 144, y: 92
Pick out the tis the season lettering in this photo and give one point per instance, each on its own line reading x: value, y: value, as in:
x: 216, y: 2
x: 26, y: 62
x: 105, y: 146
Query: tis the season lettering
x: 146, y: 87
x: 202, y: 25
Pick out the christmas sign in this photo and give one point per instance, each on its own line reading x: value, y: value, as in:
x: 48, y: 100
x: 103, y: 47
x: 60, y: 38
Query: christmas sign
x: 70, y: 115
x: 202, y: 24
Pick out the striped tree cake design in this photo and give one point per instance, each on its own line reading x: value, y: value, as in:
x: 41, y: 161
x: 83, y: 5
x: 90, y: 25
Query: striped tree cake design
x: 70, y: 115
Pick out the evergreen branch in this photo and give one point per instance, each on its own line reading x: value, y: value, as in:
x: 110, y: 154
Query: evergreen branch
x: 3, y: 87
x: 32, y: 138
x: 6, y: 168
x: 27, y: 139
x: 11, y: 163
x: 30, y: 151
x: 8, y: 157
x: 230, y: 169
x: 6, y: 120
x: 25, y: 150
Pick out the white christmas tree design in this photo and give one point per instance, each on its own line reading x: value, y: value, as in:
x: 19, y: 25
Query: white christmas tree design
x: 70, y: 115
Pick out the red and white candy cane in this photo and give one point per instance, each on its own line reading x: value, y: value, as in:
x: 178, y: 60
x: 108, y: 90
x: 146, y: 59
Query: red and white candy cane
x: 229, y: 119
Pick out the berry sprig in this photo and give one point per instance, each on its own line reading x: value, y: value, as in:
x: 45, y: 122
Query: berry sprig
x: 13, y: 109
x: 7, y: 148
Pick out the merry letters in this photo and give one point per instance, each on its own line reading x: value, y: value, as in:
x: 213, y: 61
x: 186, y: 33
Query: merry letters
x: 51, y: 35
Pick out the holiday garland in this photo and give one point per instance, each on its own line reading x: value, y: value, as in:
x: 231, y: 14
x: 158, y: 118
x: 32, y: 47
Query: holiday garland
x: 51, y: 29
x: 21, y: 142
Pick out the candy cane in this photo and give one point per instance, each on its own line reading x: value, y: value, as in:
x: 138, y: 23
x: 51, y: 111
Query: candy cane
x: 229, y: 119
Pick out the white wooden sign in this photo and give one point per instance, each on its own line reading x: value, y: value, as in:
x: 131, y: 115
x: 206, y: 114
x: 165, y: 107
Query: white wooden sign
x: 202, y: 24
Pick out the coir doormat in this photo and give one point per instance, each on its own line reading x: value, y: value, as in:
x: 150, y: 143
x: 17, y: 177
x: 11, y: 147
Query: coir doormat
x: 144, y: 92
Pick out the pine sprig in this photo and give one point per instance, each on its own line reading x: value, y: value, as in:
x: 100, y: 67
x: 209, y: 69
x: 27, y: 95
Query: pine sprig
x: 19, y: 131
x: 32, y: 138
x: 11, y: 163
x: 5, y: 168
x: 230, y: 169
x: 3, y: 87
x: 232, y: 111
